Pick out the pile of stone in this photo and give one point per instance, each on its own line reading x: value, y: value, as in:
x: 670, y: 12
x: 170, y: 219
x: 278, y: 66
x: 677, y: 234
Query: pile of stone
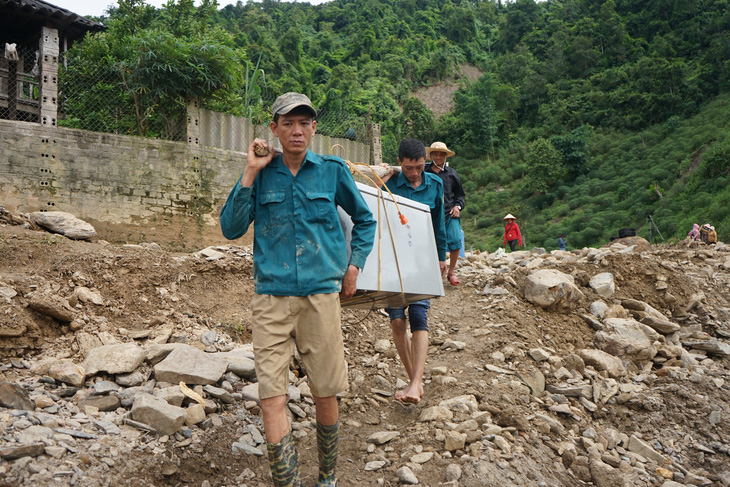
x: 64, y: 420
x: 171, y: 391
x: 632, y: 339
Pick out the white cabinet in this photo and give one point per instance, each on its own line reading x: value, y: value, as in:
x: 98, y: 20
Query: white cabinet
x: 403, y: 266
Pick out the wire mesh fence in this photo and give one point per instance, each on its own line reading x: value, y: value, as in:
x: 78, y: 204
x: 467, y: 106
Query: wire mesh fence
x: 343, y: 125
x: 19, y: 84
x: 97, y: 97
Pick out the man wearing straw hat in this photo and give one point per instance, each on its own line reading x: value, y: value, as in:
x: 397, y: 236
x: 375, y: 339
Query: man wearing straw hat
x: 300, y: 267
x: 454, y: 200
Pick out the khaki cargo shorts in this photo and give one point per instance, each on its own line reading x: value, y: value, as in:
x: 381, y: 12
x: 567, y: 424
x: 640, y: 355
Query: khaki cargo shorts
x: 313, y: 323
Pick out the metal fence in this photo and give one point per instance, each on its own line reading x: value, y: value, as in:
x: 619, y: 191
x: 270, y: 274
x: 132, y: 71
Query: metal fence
x: 19, y: 85
x: 96, y: 97
x: 230, y: 132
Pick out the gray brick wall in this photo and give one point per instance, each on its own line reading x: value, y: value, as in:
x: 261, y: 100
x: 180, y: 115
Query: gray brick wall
x: 112, y: 178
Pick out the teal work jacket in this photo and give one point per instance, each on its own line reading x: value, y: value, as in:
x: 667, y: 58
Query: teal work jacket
x: 299, y: 245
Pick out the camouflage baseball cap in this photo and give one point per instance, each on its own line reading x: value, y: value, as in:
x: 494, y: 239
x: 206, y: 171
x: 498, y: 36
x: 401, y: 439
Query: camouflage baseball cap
x: 289, y: 101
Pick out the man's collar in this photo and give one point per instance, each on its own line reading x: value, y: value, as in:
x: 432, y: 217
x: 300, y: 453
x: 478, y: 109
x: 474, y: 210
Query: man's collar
x: 278, y: 161
x: 441, y: 168
x: 403, y: 180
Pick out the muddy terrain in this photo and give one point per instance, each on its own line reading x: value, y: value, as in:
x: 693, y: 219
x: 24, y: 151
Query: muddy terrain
x: 518, y: 391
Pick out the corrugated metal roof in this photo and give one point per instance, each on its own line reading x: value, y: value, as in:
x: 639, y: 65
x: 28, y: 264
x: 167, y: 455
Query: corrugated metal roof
x: 21, y: 14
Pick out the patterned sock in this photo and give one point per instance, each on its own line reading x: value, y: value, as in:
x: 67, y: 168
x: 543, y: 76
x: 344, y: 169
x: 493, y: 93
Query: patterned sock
x: 328, y: 438
x: 284, y: 462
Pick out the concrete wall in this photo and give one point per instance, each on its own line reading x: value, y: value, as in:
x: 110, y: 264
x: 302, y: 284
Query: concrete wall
x: 111, y: 178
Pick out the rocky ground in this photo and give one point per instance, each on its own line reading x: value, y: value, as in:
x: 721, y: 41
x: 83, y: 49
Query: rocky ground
x: 129, y: 365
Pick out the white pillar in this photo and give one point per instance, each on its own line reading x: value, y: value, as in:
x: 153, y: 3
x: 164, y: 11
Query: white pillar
x: 49, y: 77
x: 193, y: 122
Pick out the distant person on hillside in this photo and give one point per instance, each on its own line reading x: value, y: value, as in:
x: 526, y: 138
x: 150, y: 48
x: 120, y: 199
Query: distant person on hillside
x: 454, y: 201
x: 301, y: 268
x: 694, y: 234
x: 712, y: 236
x: 705, y: 233
x: 512, y: 235
x: 561, y: 241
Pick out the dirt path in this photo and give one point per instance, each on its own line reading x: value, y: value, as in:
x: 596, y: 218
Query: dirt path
x: 482, y: 347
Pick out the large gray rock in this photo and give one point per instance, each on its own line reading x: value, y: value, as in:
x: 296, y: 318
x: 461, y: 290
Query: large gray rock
x: 13, y: 396
x: 603, y: 284
x: 7, y: 292
x: 627, y: 339
x: 190, y: 365
x: 157, y: 352
x: 13, y: 452
x: 598, y: 309
x: 639, y: 446
x: 64, y: 223
x: 454, y: 441
x: 54, y: 306
x: 382, y: 437
x: 250, y: 392
x: 713, y: 346
x: 436, y: 413
x: 86, y: 295
x: 122, y: 358
x: 466, y: 402
x: 158, y: 414
x: 240, y: 362
x: 102, y: 403
x: 128, y: 395
x: 601, y: 360
x: 406, y: 476
x: 549, y: 288
x: 650, y: 316
x: 171, y: 395
x: 604, y: 475
x: 68, y: 373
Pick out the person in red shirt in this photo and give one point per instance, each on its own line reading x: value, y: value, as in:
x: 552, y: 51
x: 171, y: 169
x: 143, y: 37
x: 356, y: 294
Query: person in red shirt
x: 512, y: 235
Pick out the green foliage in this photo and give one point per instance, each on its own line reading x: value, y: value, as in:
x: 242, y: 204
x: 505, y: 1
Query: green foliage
x: 253, y: 101
x: 416, y: 121
x: 546, y: 165
x: 587, y: 116
x: 716, y: 160
x: 145, y: 73
x: 575, y: 149
x: 477, y: 123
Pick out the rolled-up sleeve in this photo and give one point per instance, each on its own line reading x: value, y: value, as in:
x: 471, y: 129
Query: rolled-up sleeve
x: 238, y: 212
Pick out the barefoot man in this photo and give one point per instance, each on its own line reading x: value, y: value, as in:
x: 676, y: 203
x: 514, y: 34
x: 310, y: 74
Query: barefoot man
x: 426, y: 188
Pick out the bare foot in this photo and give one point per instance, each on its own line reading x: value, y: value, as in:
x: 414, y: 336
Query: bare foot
x: 411, y: 395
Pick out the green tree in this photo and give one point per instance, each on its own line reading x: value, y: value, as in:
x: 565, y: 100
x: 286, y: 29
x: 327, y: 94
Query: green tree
x: 575, y: 150
x: 148, y: 75
x: 474, y: 104
x: 416, y: 121
x: 290, y: 45
x: 545, y: 164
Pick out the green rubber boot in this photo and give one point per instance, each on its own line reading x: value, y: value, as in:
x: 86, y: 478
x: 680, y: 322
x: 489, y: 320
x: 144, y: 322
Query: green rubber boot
x: 328, y: 439
x: 284, y: 462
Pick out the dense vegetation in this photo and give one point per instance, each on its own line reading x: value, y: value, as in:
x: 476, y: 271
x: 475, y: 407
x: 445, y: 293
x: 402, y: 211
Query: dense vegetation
x: 590, y: 115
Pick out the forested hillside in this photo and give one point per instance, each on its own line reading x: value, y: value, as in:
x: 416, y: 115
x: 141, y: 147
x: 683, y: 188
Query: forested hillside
x: 590, y: 115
